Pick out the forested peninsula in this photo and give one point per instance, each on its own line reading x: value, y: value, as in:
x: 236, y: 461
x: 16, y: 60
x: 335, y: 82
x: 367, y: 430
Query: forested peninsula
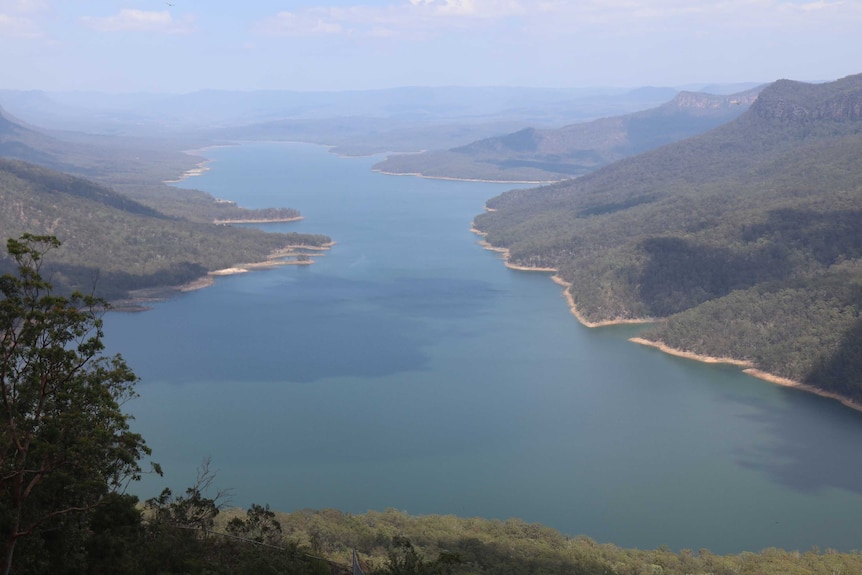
x: 745, y: 241
x: 126, y: 234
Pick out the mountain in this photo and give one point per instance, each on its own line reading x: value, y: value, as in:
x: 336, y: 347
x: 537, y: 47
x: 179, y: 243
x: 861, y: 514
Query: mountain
x: 138, y: 168
x: 24, y: 142
x: 748, y: 238
x: 154, y: 114
x: 554, y: 154
x: 112, y: 242
x: 110, y: 159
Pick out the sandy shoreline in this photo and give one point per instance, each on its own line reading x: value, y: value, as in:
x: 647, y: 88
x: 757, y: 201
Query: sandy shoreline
x: 559, y: 281
x: 421, y: 175
x: 138, y: 299
x: 198, y: 170
x: 574, y: 309
x: 750, y: 370
x: 505, y: 253
x: 690, y: 355
x: 748, y: 367
x: 201, y: 167
x: 258, y: 221
x: 275, y: 260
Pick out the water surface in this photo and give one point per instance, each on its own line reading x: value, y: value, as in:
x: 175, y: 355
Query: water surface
x: 408, y: 368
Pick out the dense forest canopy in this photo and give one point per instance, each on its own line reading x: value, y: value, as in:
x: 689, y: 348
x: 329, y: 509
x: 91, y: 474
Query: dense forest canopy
x: 747, y: 238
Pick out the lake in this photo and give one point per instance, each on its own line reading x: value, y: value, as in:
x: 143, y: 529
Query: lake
x: 408, y: 368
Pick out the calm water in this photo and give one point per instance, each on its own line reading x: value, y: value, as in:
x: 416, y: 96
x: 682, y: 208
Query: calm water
x: 408, y: 368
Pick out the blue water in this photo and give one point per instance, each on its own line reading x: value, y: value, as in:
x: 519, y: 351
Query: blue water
x: 408, y: 368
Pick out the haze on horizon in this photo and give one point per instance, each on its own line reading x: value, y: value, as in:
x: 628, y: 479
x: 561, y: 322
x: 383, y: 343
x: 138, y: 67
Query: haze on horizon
x: 186, y: 45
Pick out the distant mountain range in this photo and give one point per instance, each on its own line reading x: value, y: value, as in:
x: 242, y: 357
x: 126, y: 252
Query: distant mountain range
x: 174, y: 113
x: 535, y: 154
x: 748, y: 238
x: 408, y: 119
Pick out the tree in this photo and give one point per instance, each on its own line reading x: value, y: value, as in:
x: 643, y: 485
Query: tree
x: 65, y: 443
x: 404, y: 559
x: 259, y: 526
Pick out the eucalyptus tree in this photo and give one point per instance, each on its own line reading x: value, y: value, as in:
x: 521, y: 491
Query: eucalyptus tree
x: 65, y: 441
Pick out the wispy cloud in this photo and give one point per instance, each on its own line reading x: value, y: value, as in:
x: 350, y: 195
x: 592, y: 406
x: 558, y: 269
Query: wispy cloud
x: 420, y: 18
x: 18, y: 19
x: 714, y: 13
x: 409, y: 18
x: 472, y: 8
x: 18, y: 27
x: 316, y: 22
x: 131, y: 20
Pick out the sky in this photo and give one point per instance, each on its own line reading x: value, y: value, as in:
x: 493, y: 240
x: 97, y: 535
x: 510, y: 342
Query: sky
x: 180, y: 46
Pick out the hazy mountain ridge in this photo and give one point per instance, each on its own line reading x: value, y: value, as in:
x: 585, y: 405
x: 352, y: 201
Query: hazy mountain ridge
x: 113, y: 243
x: 172, y: 113
x: 535, y: 154
x: 714, y: 227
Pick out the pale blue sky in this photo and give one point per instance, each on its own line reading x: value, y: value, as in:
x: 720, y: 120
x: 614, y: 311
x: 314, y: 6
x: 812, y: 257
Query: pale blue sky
x: 185, y: 45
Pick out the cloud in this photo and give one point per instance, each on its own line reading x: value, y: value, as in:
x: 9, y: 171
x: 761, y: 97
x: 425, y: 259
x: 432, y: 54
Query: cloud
x: 17, y: 19
x: 472, y: 8
x: 422, y: 19
x: 316, y: 22
x: 409, y: 18
x: 18, y: 27
x: 22, y: 6
x: 130, y: 20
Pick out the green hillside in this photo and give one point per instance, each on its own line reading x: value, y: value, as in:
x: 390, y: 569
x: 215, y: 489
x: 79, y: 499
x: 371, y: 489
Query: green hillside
x: 135, y: 167
x: 549, y: 155
x: 747, y: 238
x: 117, y: 244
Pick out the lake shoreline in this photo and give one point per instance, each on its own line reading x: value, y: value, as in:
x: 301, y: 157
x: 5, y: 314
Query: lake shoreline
x: 201, y: 167
x: 138, y: 299
x: 257, y: 221
x: 748, y: 367
x: 557, y: 280
x: 452, y: 179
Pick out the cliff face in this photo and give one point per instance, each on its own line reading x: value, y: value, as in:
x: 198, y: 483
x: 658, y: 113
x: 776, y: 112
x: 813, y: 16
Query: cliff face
x: 797, y: 102
x: 702, y: 102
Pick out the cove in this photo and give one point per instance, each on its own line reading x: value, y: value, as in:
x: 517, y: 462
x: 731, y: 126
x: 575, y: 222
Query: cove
x: 408, y: 368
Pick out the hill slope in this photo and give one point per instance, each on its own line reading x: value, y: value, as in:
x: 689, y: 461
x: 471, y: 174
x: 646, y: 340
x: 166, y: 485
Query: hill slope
x: 749, y: 237
x: 116, y: 244
x: 548, y: 155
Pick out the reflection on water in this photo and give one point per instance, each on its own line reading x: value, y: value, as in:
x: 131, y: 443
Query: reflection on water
x: 808, y: 447
x: 409, y: 368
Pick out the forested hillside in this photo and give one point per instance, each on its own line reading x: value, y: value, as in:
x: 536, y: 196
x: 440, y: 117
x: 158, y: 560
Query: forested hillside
x: 747, y: 238
x: 115, y: 244
x: 121, y: 226
x: 556, y: 154
x: 134, y: 167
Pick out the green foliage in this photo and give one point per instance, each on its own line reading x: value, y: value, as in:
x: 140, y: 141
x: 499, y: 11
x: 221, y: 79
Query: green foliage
x: 738, y: 231
x: 807, y: 330
x: 395, y: 542
x: 259, y: 525
x: 404, y: 559
x: 65, y: 443
x: 113, y: 245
